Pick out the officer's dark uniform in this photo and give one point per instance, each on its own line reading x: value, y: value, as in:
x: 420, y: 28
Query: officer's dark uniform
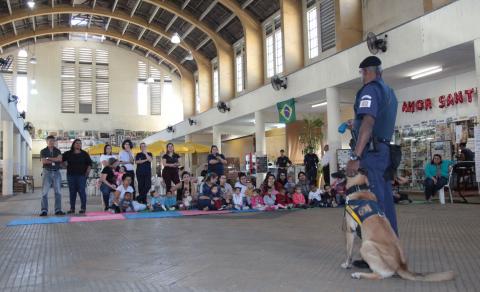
x: 378, y: 100
x: 282, y: 164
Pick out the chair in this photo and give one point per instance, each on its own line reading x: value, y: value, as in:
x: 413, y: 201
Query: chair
x: 441, y: 192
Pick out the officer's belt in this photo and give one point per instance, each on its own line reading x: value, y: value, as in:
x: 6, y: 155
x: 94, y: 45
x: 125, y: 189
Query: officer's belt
x: 361, y: 210
x: 357, y: 188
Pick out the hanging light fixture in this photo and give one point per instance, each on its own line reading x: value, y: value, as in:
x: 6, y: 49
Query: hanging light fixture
x: 33, y: 91
x: 23, y: 53
x: 33, y: 60
x: 189, y: 57
x: 33, y: 81
x: 31, y: 4
x: 175, y: 38
x: 150, y: 80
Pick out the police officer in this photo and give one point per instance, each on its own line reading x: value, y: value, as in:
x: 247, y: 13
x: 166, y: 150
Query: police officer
x: 283, y: 162
x: 375, y: 113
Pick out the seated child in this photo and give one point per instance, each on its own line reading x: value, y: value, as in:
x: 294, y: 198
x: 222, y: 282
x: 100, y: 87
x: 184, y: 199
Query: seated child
x: 299, y: 198
x: 328, y: 198
x: 157, y: 202
x: 283, y: 199
x: 290, y: 185
x: 216, y: 198
x: 249, y: 193
x: 120, y: 171
x: 339, y: 188
x: 126, y: 204
x: 170, y: 201
x: 187, y: 201
x: 269, y: 200
x: 257, y: 201
x: 315, y: 197
x: 238, y: 202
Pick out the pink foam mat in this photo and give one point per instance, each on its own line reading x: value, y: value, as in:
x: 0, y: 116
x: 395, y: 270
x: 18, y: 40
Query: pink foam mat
x: 199, y: 212
x: 98, y: 213
x: 98, y: 218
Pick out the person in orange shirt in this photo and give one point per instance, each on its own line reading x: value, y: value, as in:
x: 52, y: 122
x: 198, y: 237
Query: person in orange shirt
x: 299, y: 198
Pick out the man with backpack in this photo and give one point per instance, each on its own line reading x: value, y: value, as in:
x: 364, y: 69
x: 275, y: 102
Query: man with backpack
x: 375, y: 114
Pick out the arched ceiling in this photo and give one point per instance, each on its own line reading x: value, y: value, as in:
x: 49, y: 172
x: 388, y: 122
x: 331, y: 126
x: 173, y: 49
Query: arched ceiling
x: 203, y: 25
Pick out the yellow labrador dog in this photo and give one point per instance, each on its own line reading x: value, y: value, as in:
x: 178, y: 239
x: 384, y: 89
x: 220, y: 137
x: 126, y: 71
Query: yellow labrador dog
x: 380, y: 245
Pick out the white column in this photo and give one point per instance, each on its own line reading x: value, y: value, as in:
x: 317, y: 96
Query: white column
x: 476, y: 45
x: 188, y: 157
x: 23, y: 158
x: 334, y: 139
x: 7, y: 183
x: 260, y: 146
x: 217, y: 138
x: 16, y: 153
x: 29, y: 161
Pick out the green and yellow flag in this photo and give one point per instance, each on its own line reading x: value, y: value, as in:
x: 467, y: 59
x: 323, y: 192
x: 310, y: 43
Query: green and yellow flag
x: 286, y: 111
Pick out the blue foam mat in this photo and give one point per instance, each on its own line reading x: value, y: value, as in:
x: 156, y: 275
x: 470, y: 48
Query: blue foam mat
x: 168, y: 214
x: 31, y: 221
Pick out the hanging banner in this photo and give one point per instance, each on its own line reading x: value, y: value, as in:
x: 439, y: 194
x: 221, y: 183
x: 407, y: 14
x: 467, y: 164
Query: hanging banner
x: 286, y: 111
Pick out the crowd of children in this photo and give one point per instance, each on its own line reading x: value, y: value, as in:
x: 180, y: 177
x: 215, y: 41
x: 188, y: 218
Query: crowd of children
x: 215, y: 193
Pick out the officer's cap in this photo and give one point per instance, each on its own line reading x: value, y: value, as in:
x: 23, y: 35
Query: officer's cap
x: 370, y: 61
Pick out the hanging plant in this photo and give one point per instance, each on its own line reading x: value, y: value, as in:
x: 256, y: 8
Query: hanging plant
x: 311, y: 135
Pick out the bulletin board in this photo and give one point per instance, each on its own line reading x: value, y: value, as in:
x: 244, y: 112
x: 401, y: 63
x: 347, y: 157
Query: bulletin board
x: 343, y: 156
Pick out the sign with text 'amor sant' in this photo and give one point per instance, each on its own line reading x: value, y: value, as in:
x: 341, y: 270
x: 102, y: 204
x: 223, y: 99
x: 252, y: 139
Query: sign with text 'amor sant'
x: 442, y: 102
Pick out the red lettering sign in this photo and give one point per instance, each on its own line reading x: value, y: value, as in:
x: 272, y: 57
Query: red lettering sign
x: 444, y: 101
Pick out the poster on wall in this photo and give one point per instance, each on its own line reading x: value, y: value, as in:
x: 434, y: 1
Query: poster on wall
x: 262, y: 164
x: 477, y: 151
x: 443, y: 148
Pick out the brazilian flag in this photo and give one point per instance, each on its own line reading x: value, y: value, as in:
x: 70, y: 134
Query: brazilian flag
x: 286, y: 111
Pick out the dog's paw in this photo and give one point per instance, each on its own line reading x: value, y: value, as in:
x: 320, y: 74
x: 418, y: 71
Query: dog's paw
x: 346, y: 266
x: 356, y: 276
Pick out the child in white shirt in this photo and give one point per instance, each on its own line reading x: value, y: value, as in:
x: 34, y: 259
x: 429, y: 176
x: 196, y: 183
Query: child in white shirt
x: 238, y: 199
x: 315, y: 197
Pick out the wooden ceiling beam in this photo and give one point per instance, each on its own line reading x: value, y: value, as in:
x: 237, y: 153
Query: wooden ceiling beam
x: 95, y: 31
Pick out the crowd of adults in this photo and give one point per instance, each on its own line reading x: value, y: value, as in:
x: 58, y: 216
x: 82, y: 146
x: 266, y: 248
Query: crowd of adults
x: 176, y: 188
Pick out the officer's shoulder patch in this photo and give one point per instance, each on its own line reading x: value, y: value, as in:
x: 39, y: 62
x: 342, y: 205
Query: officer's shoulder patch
x: 365, y: 103
x: 366, y: 97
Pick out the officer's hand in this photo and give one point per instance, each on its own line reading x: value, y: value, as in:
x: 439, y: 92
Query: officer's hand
x: 352, y: 167
x: 350, y: 124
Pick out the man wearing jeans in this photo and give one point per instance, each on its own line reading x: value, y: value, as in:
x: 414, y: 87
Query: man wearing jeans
x: 51, y: 160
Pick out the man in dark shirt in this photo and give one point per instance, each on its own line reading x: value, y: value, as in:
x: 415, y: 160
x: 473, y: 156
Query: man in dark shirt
x: 216, y: 161
x: 204, y: 172
x: 78, y: 169
x: 144, y: 173
x: 51, y: 160
x: 311, y: 166
x: 467, y: 153
x: 283, y: 162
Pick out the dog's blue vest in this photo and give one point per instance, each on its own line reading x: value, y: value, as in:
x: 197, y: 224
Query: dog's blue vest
x: 360, y: 210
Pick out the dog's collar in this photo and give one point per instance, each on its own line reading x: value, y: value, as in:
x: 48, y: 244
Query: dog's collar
x: 357, y: 188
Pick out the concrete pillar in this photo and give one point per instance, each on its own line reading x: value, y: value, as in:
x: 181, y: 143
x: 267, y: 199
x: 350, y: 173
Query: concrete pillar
x: 7, y: 183
x: 29, y: 162
x: 188, y: 156
x: 23, y: 158
x: 334, y: 139
x: 226, y: 74
x: 348, y: 23
x: 188, y: 93
x: 476, y: 45
x: 16, y: 153
x: 260, y: 145
x: 205, y: 85
x: 292, y: 28
x: 217, y: 138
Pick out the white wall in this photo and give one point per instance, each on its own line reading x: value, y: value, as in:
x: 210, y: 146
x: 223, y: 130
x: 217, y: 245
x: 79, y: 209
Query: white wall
x: 433, y: 90
x: 44, y: 109
x: 382, y: 15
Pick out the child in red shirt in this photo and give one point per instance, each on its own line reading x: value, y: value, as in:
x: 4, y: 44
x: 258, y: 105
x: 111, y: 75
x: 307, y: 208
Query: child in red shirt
x: 299, y: 198
x: 283, y: 199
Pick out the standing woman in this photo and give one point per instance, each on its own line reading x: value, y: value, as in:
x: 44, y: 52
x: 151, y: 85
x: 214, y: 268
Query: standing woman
x: 216, y: 161
x: 79, y: 165
x: 107, y: 154
x: 108, y: 181
x: 144, y: 173
x: 125, y: 158
x: 170, y: 162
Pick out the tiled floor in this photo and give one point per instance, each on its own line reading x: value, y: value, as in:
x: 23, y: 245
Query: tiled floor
x: 283, y: 251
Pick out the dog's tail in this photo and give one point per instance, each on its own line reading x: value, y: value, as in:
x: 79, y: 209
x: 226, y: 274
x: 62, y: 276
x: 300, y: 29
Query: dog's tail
x: 429, y: 277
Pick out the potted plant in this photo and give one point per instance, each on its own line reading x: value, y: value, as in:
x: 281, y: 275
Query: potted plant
x: 311, y: 136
